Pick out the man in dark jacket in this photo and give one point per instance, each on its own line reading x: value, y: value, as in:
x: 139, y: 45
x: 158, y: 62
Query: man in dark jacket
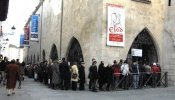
x: 108, y: 76
x: 101, y: 74
x: 64, y: 74
x: 94, y: 76
x: 135, y: 71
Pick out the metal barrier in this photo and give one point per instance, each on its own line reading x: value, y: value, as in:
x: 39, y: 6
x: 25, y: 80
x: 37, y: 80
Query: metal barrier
x: 146, y: 80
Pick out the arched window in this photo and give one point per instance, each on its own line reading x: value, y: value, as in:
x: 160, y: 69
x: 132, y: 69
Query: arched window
x: 53, y: 52
x: 75, y: 52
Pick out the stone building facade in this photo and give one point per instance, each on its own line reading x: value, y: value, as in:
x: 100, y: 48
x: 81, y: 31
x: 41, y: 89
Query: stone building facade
x: 78, y: 30
x: 169, y: 41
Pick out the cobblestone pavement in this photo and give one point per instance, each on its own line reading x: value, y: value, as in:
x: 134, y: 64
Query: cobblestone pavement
x: 32, y: 90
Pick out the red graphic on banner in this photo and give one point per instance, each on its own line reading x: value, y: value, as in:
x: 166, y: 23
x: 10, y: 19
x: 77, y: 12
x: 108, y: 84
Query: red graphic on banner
x: 116, y: 37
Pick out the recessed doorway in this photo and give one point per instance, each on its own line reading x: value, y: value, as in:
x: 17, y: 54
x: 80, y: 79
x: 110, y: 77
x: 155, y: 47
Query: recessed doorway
x: 143, y: 48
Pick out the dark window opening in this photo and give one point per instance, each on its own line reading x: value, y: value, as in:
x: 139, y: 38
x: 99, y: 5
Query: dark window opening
x: 74, y: 52
x: 53, y: 53
x: 145, y: 43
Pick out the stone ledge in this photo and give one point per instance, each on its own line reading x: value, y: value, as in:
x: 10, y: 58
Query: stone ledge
x: 143, y: 1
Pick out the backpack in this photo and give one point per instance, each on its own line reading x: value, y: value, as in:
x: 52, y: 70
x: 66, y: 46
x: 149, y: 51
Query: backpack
x: 74, y: 75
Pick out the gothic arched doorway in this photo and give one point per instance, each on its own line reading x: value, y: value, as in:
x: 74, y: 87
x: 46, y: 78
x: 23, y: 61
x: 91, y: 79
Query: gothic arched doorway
x: 75, y: 52
x: 54, y: 53
x: 143, y: 48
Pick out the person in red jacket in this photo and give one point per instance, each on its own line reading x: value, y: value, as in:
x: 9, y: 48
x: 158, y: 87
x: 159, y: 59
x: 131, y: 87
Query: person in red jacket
x: 116, y: 74
x: 155, y: 70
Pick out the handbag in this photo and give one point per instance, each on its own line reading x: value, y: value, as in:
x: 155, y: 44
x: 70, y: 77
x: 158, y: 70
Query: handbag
x: 74, y: 75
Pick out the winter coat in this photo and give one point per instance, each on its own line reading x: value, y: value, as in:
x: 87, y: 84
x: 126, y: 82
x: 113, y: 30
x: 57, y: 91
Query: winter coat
x: 12, y: 71
x: 74, y: 73
x: 101, y: 70
x: 108, y: 74
x: 116, y: 70
x: 94, y: 73
x: 135, y: 69
x: 81, y: 71
x: 64, y: 70
x: 55, y: 73
x: 125, y: 69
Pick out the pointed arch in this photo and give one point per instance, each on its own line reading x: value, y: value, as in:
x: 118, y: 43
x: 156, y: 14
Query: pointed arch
x: 74, y: 51
x: 54, y: 53
x: 144, y: 42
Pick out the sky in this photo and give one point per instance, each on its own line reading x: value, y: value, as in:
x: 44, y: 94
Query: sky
x: 18, y: 13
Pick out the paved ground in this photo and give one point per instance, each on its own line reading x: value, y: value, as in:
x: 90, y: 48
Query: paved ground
x: 36, y: 91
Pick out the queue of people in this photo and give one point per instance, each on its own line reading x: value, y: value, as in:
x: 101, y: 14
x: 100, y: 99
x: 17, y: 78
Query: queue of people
x: 122, y: 75
x: 64, y: 76
x: 59, y: 74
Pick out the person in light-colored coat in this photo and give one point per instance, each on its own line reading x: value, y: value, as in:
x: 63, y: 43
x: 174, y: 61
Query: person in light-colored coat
x: 74, y: 76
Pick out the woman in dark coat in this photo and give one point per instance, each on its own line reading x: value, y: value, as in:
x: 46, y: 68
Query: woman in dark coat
x: 101, y: 74
x: 81, y: 71
x: 12, y: 72
x: 108, y: 76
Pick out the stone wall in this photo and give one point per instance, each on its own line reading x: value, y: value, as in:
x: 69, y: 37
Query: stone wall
x: 169, y: 42
x: 138, y: 16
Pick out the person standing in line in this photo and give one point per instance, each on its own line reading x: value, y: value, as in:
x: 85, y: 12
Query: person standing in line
x: 125, y: 74
x: 94, y: 76
x: 49, y: 75
x: 155, y: 71
x: 12, y: 74
x: 135, y: 71
x: 101, y: 71
x: 55, y: 74
x: 81, y: 71
x: 64, y: 74
x: 89, y: 75
x: 108, y: 76
x: 74, y: 76
x: 116, y: 74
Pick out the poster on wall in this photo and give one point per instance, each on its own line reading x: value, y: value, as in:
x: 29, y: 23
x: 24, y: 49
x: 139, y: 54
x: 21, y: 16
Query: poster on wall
x: 34, y: 27
x: 115, y: 25
x: 26, y: 35
x: 136, y: 52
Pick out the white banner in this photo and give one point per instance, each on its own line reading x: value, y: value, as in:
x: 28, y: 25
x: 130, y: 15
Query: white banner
x: 115, y: 25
